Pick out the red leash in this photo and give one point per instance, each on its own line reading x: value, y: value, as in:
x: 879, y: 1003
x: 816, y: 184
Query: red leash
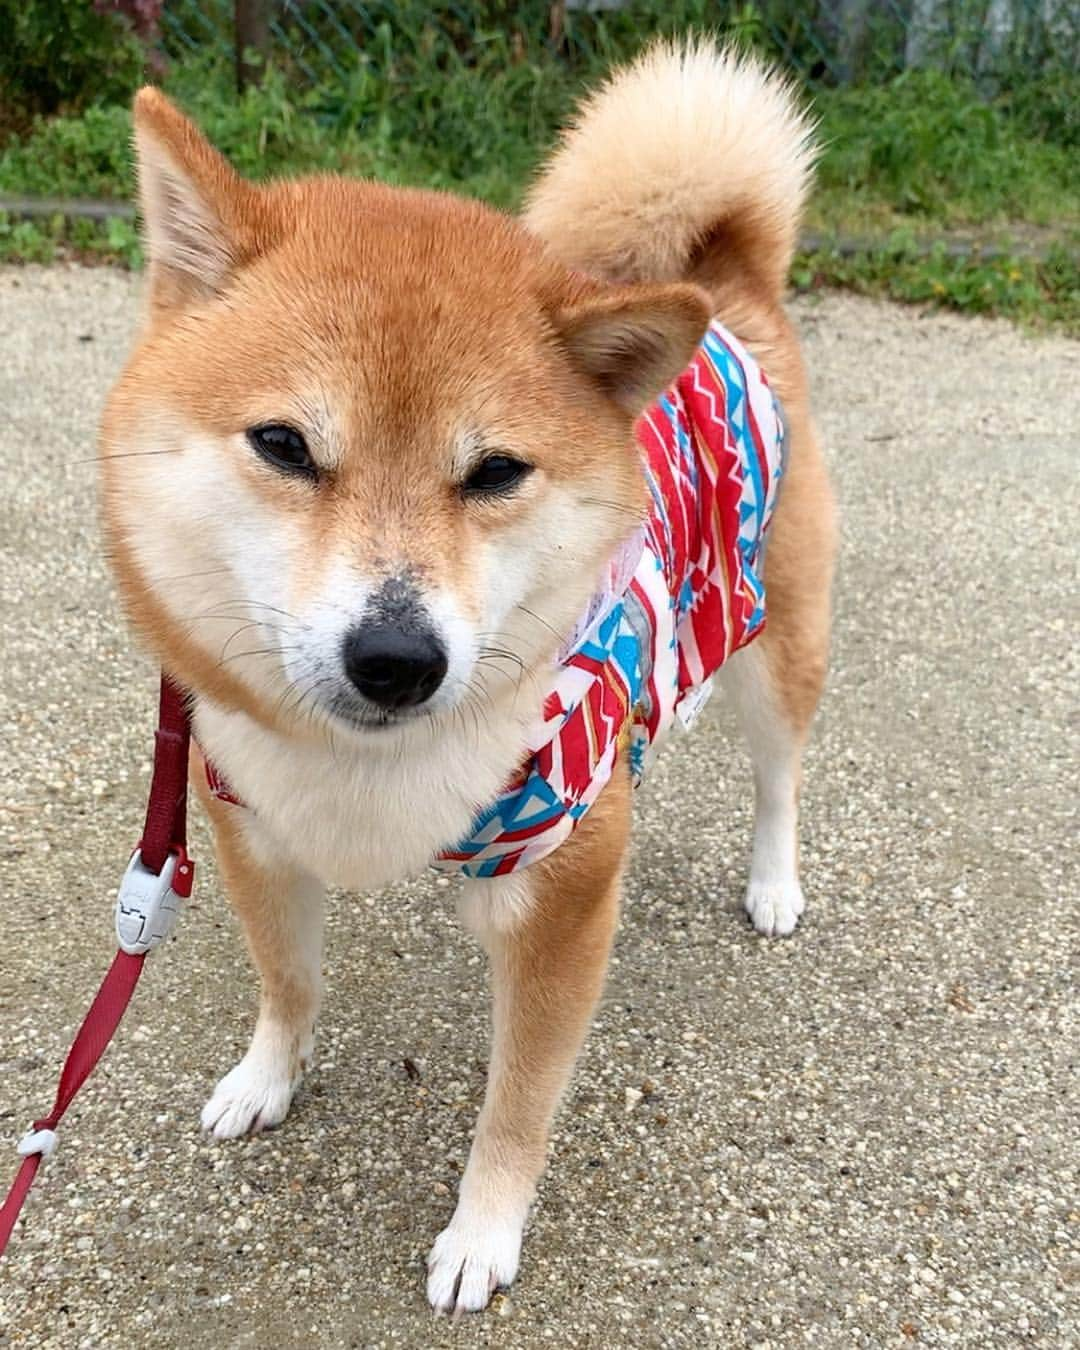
x: 158, y: 877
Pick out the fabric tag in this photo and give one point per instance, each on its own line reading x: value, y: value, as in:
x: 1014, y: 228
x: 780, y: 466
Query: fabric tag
x: 692, y: 702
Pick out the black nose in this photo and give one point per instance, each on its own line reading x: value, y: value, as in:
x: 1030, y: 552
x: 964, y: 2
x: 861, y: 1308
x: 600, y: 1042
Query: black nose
x: 394, y: 667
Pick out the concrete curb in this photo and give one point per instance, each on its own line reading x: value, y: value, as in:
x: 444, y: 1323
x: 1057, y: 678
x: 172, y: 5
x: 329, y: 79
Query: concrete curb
x: 74, y: 208
x: 78, y: 208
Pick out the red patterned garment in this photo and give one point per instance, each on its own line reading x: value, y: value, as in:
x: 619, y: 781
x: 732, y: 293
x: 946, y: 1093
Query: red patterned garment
x: 683, y: 594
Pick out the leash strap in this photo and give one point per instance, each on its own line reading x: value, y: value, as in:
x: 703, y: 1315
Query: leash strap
x: 165, y: 829
x: 164, y: 838
x: 93, y: 1036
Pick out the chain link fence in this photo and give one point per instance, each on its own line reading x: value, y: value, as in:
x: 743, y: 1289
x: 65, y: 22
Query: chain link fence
x: 997, y: 43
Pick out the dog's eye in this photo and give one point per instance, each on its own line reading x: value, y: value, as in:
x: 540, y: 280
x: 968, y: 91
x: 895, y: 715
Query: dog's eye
x: 284, y: 448
x: 497, y: 473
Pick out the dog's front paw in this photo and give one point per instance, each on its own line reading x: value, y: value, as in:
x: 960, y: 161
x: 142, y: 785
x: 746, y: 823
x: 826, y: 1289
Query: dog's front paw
x: 253, y: 1096
x: 774, y: 907
x: 471, y: 1258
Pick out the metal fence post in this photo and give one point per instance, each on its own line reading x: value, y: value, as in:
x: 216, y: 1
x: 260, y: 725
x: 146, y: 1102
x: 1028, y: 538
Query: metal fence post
x: 251, y: 31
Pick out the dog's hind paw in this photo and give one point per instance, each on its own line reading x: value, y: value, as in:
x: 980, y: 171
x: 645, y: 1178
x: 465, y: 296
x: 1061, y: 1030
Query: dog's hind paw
x: 468, y: 1263
x: 774, y: 907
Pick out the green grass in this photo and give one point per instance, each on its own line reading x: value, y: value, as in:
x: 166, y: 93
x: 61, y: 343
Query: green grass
x: 1035, y: 291
x: 903, y: 164
x: 113, y: 241
x: 925, y: 151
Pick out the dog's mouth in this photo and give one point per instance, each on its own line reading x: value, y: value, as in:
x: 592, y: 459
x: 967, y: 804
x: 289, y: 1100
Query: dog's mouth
x: 364, y: 718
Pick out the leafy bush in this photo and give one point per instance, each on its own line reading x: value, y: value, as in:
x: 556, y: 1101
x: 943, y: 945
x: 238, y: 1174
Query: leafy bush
x: 87, y: 156
x: 924, y: 148
x: 474, y: 112
x: 932, y: 148
x: 1049, y: 108
x: 62, y: 55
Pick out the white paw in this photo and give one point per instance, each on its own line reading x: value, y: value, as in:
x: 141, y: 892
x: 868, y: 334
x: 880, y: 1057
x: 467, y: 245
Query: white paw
x: 253, y: 1096
x: 472, y: 1258
x: 774, y: 907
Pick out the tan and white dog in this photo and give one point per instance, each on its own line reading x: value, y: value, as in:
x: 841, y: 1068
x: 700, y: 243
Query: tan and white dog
x: 364, y: 466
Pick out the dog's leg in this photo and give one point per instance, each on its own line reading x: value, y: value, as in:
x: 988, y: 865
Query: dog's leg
x: 281, y: 909
x: 775, y: 719
x: 776, y: 682
x: 774, y: 898
x: 548, y: 931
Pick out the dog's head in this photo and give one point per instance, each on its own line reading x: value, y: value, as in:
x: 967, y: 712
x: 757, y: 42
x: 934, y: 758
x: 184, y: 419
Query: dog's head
x: 374, y: 446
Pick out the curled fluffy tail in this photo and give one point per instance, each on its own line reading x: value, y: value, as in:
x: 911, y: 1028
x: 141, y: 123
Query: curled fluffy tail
x: 694, y: 154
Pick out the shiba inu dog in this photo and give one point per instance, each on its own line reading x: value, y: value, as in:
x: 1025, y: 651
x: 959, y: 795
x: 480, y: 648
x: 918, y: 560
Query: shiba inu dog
x: 369, y: 467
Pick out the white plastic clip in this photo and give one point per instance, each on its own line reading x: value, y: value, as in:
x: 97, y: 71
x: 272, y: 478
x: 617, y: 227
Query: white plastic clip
x: 147, y: 906
x: 37, y: 1141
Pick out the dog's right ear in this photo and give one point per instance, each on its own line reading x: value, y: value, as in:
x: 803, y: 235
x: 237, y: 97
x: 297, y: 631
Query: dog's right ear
x: 634, y: 340
x: 198, y: 213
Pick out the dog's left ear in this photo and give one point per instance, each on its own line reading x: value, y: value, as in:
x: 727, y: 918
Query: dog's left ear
x: 634, y: 340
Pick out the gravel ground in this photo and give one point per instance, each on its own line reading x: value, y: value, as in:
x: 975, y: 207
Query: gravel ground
x: 863, y: 1136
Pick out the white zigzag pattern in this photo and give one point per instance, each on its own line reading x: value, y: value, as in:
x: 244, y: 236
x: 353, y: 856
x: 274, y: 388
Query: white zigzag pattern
x: 737, y: 420
x: 734, y: 474
x: 715, y: 576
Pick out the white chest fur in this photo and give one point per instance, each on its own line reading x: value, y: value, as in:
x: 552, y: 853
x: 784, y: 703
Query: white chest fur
x: 361, y: 814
